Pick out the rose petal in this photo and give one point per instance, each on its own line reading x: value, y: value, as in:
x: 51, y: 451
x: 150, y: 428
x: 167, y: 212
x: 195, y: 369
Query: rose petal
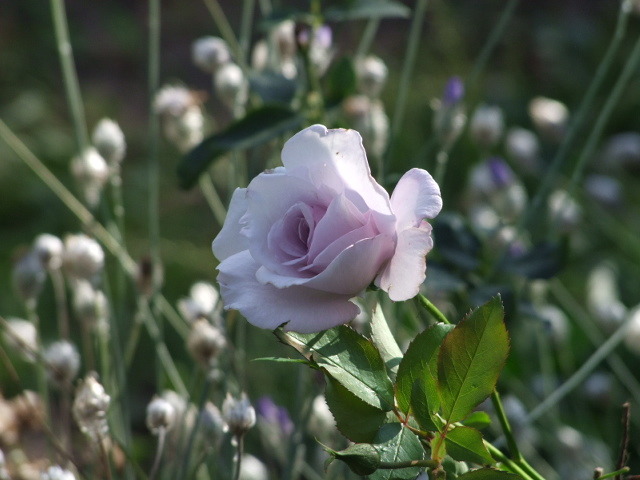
x: 406, y: 271
x: 349, y: 274
x: 265, y: 306
x: 230, y: 240
x: 335, y: 160
x: 416, y: 197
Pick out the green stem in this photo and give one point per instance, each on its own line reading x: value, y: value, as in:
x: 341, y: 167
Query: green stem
x: 506, y: 427
x: 245, y: 26
x: 368, y: 36
x: 69, y: 74
x: 581, y: 374
x: 59, y: 292
x: 213, y: 199
x: 622, y: 471
x: 511, y: 465
x: 409, y: 464
x: 226, y: 31
x: 162, y: 435
x: 407, y: 71
x: 432, y: 309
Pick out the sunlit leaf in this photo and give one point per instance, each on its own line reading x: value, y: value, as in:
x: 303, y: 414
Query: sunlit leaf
x: 470, y: 360
x: 489, y: 474
x: 465, y: 444
x: 397, y: 444
x: 478, y: 420
x: 384, y: 341
x: 362, y: 458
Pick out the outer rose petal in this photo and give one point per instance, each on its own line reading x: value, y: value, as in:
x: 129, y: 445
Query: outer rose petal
x: 265, y: 306
x: 230, y: 240
x: 404, y: 274
x: 334, y: 159
x: 416, y: 197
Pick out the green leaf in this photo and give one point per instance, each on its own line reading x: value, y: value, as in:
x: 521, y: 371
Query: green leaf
x: 363, y: 9
x: 340, y: 81
x: 489, y: 474
x: 420, y: 363
x: 422, y: 409
x: 397, y: 444
x: 470, y: 360
x: 282, y: 360
x: 465, y: 445
x: 256, y: 128
x: 355, y: 419
x: 349, y: 358
x: 477, y: 420
x: 384, y: 341
x: 362, y: 458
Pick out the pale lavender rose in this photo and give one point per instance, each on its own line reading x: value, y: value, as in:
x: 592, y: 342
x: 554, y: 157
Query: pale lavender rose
x: 302, y: 240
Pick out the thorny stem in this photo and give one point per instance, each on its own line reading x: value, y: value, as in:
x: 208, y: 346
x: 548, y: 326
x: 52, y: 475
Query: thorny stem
x: 506, y: 427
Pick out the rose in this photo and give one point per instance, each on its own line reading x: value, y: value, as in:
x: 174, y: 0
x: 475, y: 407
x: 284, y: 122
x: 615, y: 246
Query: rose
x: 302, y: 240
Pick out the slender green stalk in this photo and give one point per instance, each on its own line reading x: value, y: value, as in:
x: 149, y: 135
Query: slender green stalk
x: 622, y: 471
x: 239, y: 453
x: 511, y: 465
x: 213, y: 199
x: 581, y: 374
x: 60, y: 295
x: 162, y: 435
x: 69, y: 74
x: 432, y: 309
x: 368, y: 36
x: 409, y: 464
x: 226, y: 31
x: 506, y: 427
x: 405, y: 77
x: 248, y: 6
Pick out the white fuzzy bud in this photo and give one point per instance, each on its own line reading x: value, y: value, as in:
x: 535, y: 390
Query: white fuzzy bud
x: 90, y: 304
x: 486, y: 125
x: 50, y: 250
x: 549, y: 117
x: 83, y: 257
x: 251, y: 468
x: 91, y: 172
x: 231, y: 86
x: 523, y: 147
x: 603, y: 299
x: 90, y: 408
x: 57, y: 473
x: 205, y: 342
x: 283, y: 37
x: 62, y: 361
x: 161, y: 414
x: 201, y: 302
x: 212, y: 422
x: 210, y: 53
x: 564, y: 212
x: 632, y: 338
x: 109, y: 141
x: 22, y: 336
x: 29, y: 276
x: 239, y: 415
x: 371, y: 73
x: 173, y: 100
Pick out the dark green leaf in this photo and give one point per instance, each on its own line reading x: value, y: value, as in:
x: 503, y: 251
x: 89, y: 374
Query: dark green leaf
x: 420, y: 363
x: 349, y: 358
x: 256, y: 128
x: 477, y: 420
x: 456, y: 243
x: 470, y: 360
x: 362, y: 458
x: 397, y: 444
x: 273, y: 87
x: 384, y: 341
x: 362, y: 9
x: 543, y: 260
x: 356, y: 420
x: 465, y: 445
x: 489, y: 474
x: 340, y: 81
x: 422, y: 410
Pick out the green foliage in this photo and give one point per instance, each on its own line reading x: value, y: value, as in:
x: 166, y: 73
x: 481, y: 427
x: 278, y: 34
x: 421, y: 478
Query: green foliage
x: 470, y: 360
x: 340, y: 81
x: 355, y: 419
x: 256, y: 128
x: 489, y: 474
x: 362, y: 458
x: 350, y: 359
x: 477, y: 420
x: 457, y: 243
x: 465, y: 444
x: 362, y: 9
x: 397, y: 444
x: 384, y: 341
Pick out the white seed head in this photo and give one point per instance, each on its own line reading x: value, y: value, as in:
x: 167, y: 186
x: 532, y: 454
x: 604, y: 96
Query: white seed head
x: 90, y: 408
x: 283, y: 37
x: 50, y: 250
x: 321, y: 51
x: 549, y: 117
x: 632, y: 338
x: 29, y: 276
x: 201, y: 302
x: 260, y: 56
x: 62, y: 361
x: 239, y: 415
x: 564, y: 212
x: 371, y: 73
x: 22, y: 336
x: 367, y: 116
x: 109, y: 141
x: 523, y: 147
x: 487, y: 125
x: 83, y: 257
x: 161, y: 414
x: 603, y: 298
x: 212, y: 421
x: 205, y: 342
x: 91, y: 172
x: 57, y: 473
x: 185, y: 131
x: 210, y: 53
x: 231, y: 86
x: 173, y: 100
